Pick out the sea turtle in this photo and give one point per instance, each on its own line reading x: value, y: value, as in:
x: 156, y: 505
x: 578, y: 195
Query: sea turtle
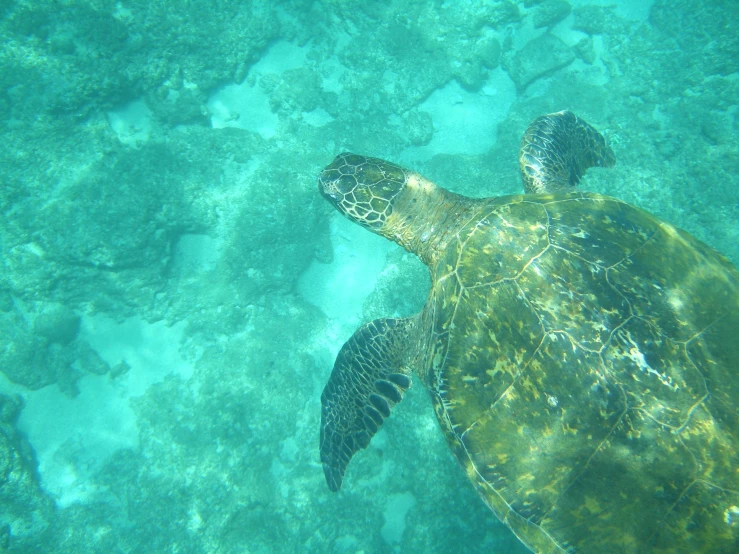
x: 582, y: 356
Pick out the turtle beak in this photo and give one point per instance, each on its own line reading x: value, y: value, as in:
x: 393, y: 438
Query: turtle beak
x: 327, y: 186
x: 329, y: 180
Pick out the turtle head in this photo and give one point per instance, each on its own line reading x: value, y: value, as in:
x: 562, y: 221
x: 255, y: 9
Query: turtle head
x: 363, y: 189
x: 394, y: 202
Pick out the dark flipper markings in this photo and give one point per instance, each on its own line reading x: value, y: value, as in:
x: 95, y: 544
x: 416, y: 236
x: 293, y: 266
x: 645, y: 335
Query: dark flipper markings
x: 557, y: 149
x: 369, y: 378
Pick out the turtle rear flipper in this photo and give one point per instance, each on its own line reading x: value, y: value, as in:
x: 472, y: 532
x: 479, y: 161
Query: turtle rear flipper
x: 369, y: 377
x: 556, y: 151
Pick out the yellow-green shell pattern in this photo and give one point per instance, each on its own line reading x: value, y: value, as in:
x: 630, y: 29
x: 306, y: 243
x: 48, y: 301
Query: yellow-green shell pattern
x: 582, y: 358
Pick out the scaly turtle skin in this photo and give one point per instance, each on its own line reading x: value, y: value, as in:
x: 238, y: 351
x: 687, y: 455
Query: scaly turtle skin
x: 581, y: 355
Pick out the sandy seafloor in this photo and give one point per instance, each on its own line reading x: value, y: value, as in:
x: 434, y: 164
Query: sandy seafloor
x: 173, y: 289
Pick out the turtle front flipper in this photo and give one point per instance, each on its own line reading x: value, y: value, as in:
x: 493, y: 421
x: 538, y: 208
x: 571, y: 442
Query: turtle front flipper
x: 370, y: 376
x: 557, y: 149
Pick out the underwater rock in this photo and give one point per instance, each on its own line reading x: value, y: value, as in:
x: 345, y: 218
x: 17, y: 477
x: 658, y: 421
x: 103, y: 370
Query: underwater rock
x: 23, y: 354
x: 708, y: 36
x: 470, y: 74
x: 119, y: 369
x: 121, y: 213
x: 272, y: 255
x: 179, y: 105
x: 585, y: 50
x: 62, y: 43
x: 43, y: 353
x: 487, y: 50
x: 550, y: 13
x: 496, y: 14
x: 88, y: 58
x: 26, y: 511
x: 593, y: 20
x: 538, y: 58
x: 296, y: 90
x: 717, y: 127
x: 57, y: 324
x: 469, y: 64
x: 89, y: 360
x: 420, y: 127
x: 6, y: 301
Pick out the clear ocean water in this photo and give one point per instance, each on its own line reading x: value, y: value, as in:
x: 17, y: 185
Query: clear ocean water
x: 174, y: 290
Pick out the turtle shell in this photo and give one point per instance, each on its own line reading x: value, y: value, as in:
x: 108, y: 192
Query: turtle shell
x: 583, y: 364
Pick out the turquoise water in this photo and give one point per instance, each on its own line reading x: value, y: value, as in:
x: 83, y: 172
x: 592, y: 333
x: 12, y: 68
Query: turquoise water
x: 173, y: 289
